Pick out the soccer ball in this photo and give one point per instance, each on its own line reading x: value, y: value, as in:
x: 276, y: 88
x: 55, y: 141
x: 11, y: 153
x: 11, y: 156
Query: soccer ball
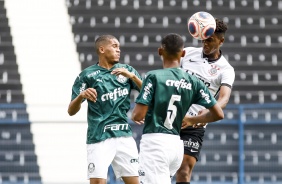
x: 201, y: 25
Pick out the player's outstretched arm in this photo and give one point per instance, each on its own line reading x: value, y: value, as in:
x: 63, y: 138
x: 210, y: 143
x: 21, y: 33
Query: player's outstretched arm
x: 215, y: 113
x: 224, y: 95
x: 139, y: 113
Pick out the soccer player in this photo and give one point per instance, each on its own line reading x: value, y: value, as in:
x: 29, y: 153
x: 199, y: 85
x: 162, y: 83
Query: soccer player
x: 164, y: 99
x: 209, y: 65
x: 106, y: 86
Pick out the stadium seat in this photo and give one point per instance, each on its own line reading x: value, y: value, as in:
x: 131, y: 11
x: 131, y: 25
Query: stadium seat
x: 252, y: 47
x: 18, y: 161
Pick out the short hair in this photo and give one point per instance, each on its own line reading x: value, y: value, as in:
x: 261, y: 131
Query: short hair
x: 221, y: 27
x: 103, y: 39
x: 172, y: 43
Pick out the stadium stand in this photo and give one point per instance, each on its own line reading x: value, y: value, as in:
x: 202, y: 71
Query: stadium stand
x: 220, y: 150
x: 138, y: 24
x: 249, y: 136
x: 18, y: 161
x: 252, y: 46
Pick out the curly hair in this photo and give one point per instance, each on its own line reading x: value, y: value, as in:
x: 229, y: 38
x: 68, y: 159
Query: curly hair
x: 221, y: 27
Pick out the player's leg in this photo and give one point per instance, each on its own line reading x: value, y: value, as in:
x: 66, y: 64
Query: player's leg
x: 176, y: 156
x: 98, y: 181
x: 99, y: 157
x: 131, y: 180
x: 192, y: 140
x: 184, y: 173
x: 125, y: 163
x: 156, y: 155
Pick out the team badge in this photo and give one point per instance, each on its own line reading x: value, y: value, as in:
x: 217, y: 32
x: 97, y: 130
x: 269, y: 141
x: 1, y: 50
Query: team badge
x: 213, y: 70
x: 91, y: 167
x: 121, y: 78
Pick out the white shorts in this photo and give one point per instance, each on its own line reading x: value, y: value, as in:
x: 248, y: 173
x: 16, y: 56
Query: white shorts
x: 119, y: 152
x: 160, y: 157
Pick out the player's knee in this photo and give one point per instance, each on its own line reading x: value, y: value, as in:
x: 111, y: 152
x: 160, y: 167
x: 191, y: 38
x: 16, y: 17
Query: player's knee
x: 183, y: 173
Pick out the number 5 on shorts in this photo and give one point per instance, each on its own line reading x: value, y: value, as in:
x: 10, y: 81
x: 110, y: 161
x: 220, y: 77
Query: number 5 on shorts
x: 171, y: 111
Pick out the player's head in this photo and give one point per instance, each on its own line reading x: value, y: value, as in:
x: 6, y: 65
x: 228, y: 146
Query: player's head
x: 108, y: 48
x: 213, y: 43
x: 171, y: 47
x: 220, y: 29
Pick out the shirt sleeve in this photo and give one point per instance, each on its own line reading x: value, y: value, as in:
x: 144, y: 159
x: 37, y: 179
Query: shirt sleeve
x: 147, y: 91
x: 203, y: 96
x: 80, y: 84
x: 228, y: 77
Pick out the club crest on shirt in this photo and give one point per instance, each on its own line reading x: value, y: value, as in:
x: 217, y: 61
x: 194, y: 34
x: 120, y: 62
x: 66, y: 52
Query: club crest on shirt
x: 121, y: 78
x: 91, y: 167
x: 213, y: 70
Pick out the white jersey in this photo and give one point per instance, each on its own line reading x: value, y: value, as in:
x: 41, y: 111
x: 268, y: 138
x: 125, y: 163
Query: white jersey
x: 214, y: 73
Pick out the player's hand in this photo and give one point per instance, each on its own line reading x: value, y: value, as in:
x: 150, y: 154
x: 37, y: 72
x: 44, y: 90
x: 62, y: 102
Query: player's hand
x: 199, y: 125
x: 140, y: 122
x: 123, y: 71
x: 186, y: 123
x: 90, y: 94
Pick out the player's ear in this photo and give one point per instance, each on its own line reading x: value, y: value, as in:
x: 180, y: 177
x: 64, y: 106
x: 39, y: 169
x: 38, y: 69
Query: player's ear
x: 221, y: 41
x: 101, y: 49
x: 183, y: 53
x: 160, y: 51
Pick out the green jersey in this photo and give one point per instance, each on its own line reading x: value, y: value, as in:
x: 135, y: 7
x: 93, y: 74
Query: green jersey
x: 107, y: 117
x: 169, y: 93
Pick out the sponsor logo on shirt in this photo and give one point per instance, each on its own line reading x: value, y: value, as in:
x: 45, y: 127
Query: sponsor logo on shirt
x: 191, y: 144
x: 134, y: 160
x: 118, y: 92
x: 205, y: 81
x: 114, y: 127
x: 93, y: 73
x: 141, y: 173
x: 147, y: 90
x: 179, y: 84
x: 82, y: 88
x: 205, y: 96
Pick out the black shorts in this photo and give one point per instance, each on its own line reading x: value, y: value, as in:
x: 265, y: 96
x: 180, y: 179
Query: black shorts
x: 193, y: 141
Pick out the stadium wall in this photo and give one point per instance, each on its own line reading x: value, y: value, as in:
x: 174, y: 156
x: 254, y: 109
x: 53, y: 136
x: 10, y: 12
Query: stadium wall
x: 48, y: 64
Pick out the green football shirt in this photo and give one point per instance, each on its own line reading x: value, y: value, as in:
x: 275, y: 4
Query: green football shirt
x: 169, y: 93
x: 107, y: 117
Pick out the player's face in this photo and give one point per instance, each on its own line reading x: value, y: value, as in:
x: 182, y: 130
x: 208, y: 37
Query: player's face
x: 112, y: 51
x: 211, y: 45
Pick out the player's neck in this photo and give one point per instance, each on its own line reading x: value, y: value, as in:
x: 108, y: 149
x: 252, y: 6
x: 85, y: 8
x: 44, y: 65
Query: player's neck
x: 106, y: 65
x: 171, y: 64
x: 213, y: 56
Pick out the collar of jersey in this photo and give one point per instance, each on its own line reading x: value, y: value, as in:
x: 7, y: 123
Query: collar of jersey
x: 212, y: 60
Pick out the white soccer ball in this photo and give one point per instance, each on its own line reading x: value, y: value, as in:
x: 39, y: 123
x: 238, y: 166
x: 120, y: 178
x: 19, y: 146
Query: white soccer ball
x: 201, y: 25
